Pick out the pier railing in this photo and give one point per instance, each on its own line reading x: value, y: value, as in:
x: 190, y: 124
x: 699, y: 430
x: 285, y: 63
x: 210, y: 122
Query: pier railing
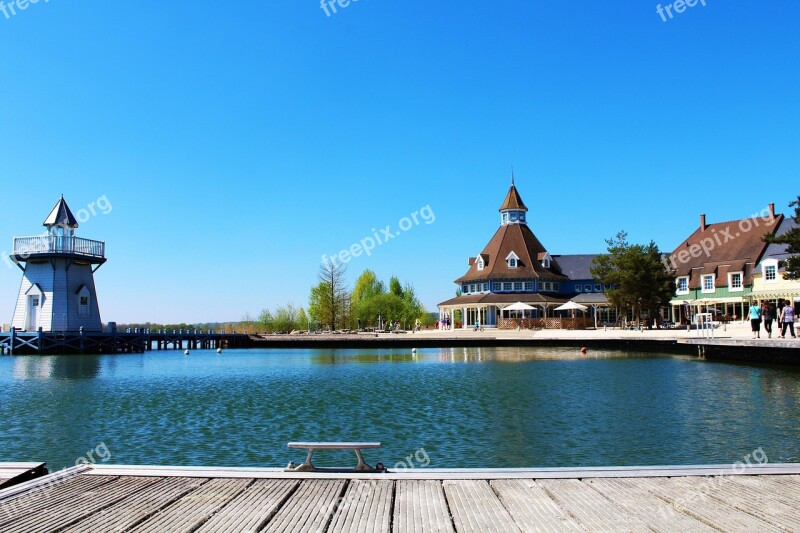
x: 55, y: 244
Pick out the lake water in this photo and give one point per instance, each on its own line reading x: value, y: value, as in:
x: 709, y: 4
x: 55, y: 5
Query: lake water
x: 444, y: 408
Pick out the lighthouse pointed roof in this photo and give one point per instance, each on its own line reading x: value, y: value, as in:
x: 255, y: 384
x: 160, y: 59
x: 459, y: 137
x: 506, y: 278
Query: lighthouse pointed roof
x: 61, y: 216
x: 513, y: 199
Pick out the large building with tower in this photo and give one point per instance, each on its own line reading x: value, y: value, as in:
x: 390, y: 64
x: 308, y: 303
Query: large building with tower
x: 57, y: 293
x: 515, y: 267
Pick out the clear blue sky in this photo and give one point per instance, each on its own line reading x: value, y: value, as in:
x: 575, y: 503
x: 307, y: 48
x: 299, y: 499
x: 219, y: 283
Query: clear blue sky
x: 237, y: 142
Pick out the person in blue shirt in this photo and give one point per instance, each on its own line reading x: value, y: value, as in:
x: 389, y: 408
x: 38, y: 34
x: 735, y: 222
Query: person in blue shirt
x: 755, y: 319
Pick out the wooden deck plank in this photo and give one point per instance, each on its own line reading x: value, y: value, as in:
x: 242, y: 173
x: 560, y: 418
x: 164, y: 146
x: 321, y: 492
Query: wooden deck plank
x: 310, y: 508
x: 421, y: 507
x: 34, y: 501
x: 366, y: 506
x: 696, y: 502
x: 475, y: 507
x: 643, y: 505
x: 775, y: 486
x: 137, y: 507
x: 194, y: 508
x: 253, y: 508
x: 753, y: 502
x: 592, y: 510
x: 531, y: 508
x: 63, y: 513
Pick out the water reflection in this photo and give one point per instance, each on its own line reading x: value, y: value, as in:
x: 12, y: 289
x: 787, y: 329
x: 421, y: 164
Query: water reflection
x: 56, y: 367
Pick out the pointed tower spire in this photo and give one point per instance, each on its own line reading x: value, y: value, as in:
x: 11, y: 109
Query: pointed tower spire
x: 61, y: 216
x: 512, y: 175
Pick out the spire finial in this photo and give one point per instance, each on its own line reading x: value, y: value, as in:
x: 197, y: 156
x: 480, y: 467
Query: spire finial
x: 512, y: 175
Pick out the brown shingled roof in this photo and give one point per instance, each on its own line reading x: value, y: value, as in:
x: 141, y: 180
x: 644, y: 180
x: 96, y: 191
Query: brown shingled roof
x: 517, y: 238
x: 493, y: 298
x: 722, y: 248
x: 513, y: 200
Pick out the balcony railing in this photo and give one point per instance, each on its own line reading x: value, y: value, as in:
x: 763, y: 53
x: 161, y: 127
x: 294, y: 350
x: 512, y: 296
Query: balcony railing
x: 53, y: 244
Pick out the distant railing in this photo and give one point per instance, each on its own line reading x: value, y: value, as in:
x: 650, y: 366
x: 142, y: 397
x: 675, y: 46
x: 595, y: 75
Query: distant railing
x: 55, y: 244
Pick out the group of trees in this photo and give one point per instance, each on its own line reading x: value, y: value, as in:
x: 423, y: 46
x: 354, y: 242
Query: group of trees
x: 284, y: 319
x: 634, y: 276
x: 333, y: 305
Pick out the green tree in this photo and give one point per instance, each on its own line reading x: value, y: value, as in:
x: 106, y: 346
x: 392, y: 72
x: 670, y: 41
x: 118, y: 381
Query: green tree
x: 395, y: 287
x: 792, y: 239
x: 265, y: 321
x: 285, y: 319
x: 302, y: 319
x: 634, y: 275
x: 367, y: 285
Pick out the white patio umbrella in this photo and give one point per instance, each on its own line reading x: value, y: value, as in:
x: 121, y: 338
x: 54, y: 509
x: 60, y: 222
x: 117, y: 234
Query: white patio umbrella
x: 571, y: 306
x: 519, y: 306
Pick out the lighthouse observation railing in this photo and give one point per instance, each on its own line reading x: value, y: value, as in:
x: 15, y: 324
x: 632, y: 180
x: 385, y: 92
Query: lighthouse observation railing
x: 55, y: 244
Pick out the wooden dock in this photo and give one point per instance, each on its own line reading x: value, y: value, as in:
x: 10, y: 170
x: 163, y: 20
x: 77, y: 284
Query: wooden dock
x: 136, y: 341
x: 763, y: 350
x: 15, y: 473
x: 153, y: 499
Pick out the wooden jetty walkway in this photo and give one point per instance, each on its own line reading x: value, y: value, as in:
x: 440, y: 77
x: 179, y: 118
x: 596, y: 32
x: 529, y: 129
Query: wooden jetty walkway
x: 15, y: 473
x: 131, y: 341
x: 153, y: 499
x: 782, y: 351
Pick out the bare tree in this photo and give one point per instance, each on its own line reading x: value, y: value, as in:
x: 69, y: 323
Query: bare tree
x: 329, y: 300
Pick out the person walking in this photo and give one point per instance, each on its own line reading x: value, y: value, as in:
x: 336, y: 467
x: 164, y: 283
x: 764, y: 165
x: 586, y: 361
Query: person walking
x: 755, y: 319
x: 766, y: 315
x: 787, y: 318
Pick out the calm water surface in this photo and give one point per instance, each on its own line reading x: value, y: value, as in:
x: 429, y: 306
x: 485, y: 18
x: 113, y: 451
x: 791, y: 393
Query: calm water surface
x: 503, y: 407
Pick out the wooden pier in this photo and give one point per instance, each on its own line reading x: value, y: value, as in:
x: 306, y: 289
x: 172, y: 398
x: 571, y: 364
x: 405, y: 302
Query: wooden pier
x: 150, y: 499
x: 134, y: 341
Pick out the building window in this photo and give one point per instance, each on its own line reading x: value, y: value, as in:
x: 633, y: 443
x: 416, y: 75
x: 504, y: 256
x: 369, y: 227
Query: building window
x: 683, y: 285
x: 587, y: 288
x: 529, y: 286
x: 546, y: 263
x: 480, y: 264
x: 518, y: 286
x: 598, y: 287
x: 512, y: 263
x: 507, y: 286
x: 770, y: 273
x: 735, y: 283
x: 505, y: 217
x: 485, y: 287
x: 472, y: 288
x: 708, y: 282
x: 578, y: 288
x: 513, y: 216
x: 555, y: 287
x: 546, y: 286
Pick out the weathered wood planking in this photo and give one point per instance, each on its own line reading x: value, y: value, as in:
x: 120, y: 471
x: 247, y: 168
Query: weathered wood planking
x: 475, y: 507
x: 592, y: 510
x: 420, y: 506
x: 193, y: 509
x: 18, y: 508
x: 310, y: 508
x: 253, y: 508
x: 751, y: 502
x: 698, y: 504
x: 81, y: 505
x: 366, y: 506
x: 137, y: 507
x: 531, y: 508
x: 644, y: 506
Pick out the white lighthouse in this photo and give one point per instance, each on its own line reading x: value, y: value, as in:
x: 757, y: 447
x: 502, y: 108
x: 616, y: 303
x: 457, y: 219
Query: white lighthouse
x: 57, y: 291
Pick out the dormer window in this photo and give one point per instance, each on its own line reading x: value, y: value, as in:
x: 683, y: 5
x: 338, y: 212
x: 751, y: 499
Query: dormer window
x: 513, y: 260
x: 546, y: 262
x: 480, y: 263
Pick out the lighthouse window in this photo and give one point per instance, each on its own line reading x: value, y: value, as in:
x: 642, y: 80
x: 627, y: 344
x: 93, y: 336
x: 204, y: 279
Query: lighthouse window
x: 514, y: 215
x: 83, y: 306
x: 522, y: 217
